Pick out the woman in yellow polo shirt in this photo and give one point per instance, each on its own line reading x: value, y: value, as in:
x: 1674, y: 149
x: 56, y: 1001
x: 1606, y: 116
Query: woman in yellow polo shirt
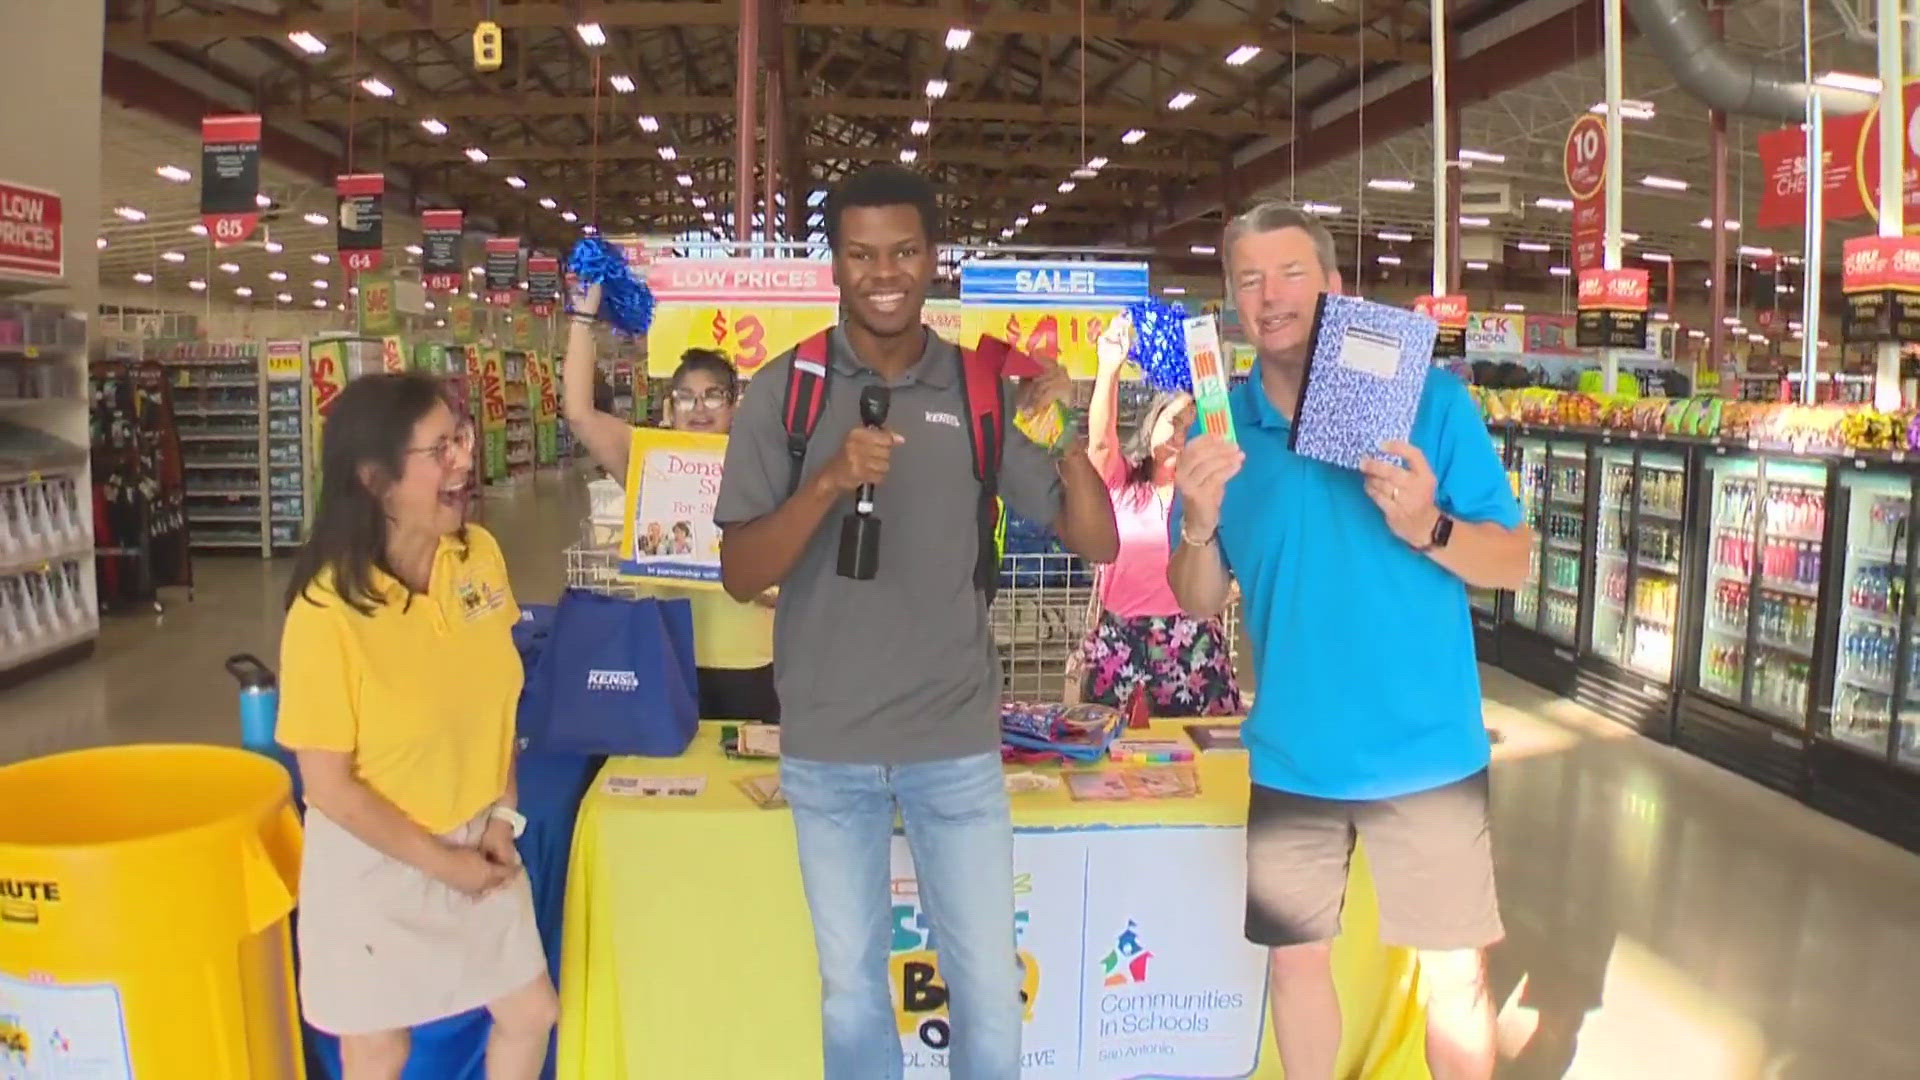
x: 399, y: 684
x: 732, y: 642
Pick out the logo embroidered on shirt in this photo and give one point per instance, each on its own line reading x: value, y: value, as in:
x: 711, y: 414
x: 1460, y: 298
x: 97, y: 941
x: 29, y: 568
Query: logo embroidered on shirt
x: 946, y: 418
x: 478, y: 598
x: 599, y: 679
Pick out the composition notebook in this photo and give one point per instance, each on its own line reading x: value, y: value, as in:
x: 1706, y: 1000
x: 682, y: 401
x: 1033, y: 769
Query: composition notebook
x: 1365, y: 370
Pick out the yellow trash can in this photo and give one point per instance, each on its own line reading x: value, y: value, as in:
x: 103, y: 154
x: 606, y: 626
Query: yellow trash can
x: 144, y: 902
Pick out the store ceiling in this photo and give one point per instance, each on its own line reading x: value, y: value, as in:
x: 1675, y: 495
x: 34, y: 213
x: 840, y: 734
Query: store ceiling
x: 1025, y: 103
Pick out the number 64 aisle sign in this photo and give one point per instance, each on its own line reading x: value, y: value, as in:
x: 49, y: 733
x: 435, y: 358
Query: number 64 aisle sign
x: 750, y: 309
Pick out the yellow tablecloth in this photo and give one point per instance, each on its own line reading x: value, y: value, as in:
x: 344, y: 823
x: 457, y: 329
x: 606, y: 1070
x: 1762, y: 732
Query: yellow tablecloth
x: 688, y: 952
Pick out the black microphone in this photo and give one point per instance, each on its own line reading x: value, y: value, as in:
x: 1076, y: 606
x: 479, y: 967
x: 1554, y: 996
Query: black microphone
x: 860, y: 530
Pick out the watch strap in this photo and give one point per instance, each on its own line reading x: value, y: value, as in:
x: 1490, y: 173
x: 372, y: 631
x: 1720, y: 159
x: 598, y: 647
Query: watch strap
x: 514, y: 819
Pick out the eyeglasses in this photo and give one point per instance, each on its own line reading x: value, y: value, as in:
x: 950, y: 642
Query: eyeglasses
x: 713, y: 397
x: 443, y: 447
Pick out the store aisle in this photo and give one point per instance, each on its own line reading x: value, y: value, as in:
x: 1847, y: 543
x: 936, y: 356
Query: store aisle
x: 1670, y: 920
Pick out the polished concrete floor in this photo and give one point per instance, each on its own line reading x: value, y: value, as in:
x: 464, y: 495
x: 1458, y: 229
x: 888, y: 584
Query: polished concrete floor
x: 1666, y: 919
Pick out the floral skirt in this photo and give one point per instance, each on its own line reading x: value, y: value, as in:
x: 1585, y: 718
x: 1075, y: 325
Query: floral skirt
x: 1182, y: 664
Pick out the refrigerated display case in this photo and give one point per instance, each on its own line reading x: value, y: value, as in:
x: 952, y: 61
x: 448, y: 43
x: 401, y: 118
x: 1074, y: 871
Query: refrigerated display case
x: 1542, y: 627
x: 1759, y: 612
x: 1627, y: 657
x: 1488, y: 605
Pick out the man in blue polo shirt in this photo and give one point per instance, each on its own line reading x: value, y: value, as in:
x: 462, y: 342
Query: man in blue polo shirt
x: 1367, y: 722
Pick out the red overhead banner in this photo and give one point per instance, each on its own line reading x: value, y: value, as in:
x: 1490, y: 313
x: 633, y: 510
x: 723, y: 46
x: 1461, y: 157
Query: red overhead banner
x: 31, y: 241
x: 1850, y: 160
x: 1614, y: 290
x: 1449, y: 311
x: 1880, y: 262
x: 1584, y: 163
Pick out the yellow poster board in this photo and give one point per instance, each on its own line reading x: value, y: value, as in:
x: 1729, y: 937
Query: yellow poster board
x: 673, y: 481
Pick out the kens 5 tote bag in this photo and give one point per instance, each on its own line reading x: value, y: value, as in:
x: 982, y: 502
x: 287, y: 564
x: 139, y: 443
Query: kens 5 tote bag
x: 616, y: 677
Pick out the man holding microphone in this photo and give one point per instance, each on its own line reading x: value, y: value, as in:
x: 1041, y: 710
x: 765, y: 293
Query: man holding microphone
x: 888, y: 678
x: 1367, y: 721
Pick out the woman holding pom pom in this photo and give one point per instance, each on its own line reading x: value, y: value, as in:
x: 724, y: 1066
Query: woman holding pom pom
x: 733, y: 642
x: 1141, y: 642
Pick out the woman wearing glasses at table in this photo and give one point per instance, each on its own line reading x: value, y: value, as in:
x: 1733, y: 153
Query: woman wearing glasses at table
x: 399, y: 683
x: 732, y: 642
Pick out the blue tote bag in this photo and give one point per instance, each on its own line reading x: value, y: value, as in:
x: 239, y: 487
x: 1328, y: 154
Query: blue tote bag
x: 616, y: 676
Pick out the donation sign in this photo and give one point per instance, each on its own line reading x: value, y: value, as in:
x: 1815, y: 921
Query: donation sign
x: 31, y: 241
x: 440, y: 267
x: 673, y: 480
x: 362, y: 221
x: 229, y: 177
x: 750, y: 309
x: 1049, y: 310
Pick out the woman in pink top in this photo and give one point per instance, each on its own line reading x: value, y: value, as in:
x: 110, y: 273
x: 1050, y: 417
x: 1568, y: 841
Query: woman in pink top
x: 1142, y: 642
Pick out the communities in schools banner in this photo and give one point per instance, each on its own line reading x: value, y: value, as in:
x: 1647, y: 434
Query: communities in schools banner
x: 673, y: 480
x: 750, y: 309
x: 1120, y: 980
x: 1051, y: 310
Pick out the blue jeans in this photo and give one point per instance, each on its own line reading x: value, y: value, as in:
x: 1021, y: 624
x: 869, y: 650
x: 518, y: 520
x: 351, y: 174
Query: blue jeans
x: 959, y: 826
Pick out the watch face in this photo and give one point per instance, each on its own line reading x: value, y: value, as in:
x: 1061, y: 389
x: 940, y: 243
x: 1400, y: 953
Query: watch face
x: 1442, y: 531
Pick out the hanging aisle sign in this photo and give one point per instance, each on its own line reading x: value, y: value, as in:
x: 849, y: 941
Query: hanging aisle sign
x: 1880, y: 277
x: 362, y: 221
x: 543, y: 284
x: 229, y: 177
x: 1585, y: 167
x: 1049, y: 310
x: 1613, y: 309
x: 1450, y: 312
x: 503, y: 269
x: 750, y: 309
x: 31, y: 237
x: 440, y: 232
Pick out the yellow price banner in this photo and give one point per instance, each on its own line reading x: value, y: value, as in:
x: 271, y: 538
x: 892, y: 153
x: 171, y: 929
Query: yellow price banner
x: 460, y: 320
x: 377, y: 312
x: 285, y: 360
x: 393, y: 354
x: 1066, y: 335
x: 749, y: 335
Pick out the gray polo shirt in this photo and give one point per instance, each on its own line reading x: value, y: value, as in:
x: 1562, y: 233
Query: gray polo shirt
x: 901, y: 668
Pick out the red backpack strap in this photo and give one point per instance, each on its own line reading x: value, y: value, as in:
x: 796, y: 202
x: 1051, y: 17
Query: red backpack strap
x: 986, y: 430
x: 806, y: 400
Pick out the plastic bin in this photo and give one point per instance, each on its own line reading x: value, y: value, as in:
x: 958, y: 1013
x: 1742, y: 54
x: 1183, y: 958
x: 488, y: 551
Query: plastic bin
x: 144, y: 901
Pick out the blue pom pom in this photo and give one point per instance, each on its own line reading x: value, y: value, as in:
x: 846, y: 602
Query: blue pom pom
x: 1160, y: 345
x: 625, y: 301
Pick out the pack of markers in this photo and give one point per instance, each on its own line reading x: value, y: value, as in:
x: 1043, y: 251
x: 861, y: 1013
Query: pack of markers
x: 1074, y: 732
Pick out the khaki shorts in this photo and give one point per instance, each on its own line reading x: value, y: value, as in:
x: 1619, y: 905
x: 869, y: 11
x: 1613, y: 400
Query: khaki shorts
x: 1431, y: 860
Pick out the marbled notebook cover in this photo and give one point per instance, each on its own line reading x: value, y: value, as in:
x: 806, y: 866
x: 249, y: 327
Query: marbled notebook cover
x: 1365, y: 370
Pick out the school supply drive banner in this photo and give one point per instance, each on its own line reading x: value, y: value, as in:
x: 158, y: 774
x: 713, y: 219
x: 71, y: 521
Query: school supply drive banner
x: 1051, y: 310
x: 750, y: 309
x: 673, y: 480
x: 1119, y: 980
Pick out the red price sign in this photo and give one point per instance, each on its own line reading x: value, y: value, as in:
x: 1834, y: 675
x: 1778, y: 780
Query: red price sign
x: 1614, y: 290
x: 360, y: 260
x: 1585, y: 163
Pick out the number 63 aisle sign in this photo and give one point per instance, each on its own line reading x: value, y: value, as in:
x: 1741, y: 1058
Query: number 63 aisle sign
x: 750, y: 309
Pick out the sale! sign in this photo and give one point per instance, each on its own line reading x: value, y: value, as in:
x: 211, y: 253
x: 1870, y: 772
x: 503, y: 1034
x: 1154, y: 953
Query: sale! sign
x: 375, y: 305
x: 543, y: 284
x: 1585, y: 166
x: 493, y: 414
x: 1450, y: 313
x: 1880, y: 276
x: 362, y: 221
x: 229, y: 177
x: 750, y: 309
x: 503, y: 269
x: 1048, y: 310
x: 32, y: 243
x: 440, y: 232
x: 1613, y: 309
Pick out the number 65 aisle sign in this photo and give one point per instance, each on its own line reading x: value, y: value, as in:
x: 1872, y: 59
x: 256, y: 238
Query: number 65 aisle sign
x: 750, y: 309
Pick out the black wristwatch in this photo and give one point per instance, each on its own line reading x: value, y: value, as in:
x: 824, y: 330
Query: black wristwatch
x: 1442, y: 532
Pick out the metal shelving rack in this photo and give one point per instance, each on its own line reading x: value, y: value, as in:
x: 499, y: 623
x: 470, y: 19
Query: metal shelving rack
x: 241, y: 416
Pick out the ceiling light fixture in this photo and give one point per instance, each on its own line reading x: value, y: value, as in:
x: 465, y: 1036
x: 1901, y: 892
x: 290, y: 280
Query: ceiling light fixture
x: 1663, y: 183
x: 1546, y: 202
x: 277, y: 276
x: 920, y: 127
x: 1847, y: 80
x: 262, y: 201
x: 1021, y: 222
x: 668, y: 153
x: 1707, y: 223
x: 1133, y: 136
x: 1513, y: 307
x: 591, y: 35
x: 1038, y: 209
x: 547, y: 203
x: 142, y: 278
x: 959, y: 38
x: 1204, y: 249
x: 1533, y: 245
x: 1753, y: 252
x: 909, y: 155
x: 1321, y: 209
x: 1395, y: 237
x: 699, y: 203
x: 197, y: 285
x: 1630, y: 109
x: 1096, y: 163
x: 100, y: 243
x: 683, y: 180
x: 1484, y: 157
x: 1066, y: 186
x: 274, y: 247
x: 622, y: 84
x: 128, y: 213
x: 1476, y: 264
x: 197, y: 229
x: 321, y: 258
x: 1470, y: 221
x: 432, y: 126
x: 936, y: 88
x: 1560, y: 271
x: 1656, y: 256
x: 516, y: 182
x: 1385, y: 183
x: 307, y: 43
x: 415, y: 250
x: 476, y: 155
x: 315, y: 218
x: 1387, y: 260
x: 229, y: 268
x: 173, y: 257
x: 569, y: 216
x: 1181, y: 100
x: 174, y: 173
x: 321, y: 283
x: 1240, y: 56
x: 375, y: 87
x: 284, y: 298
x: 649, y: 123
x: 1173, y: 290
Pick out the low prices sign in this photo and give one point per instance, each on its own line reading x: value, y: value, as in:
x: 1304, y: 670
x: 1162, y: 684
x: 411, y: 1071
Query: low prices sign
x: 229, y: 177
x: 440, y: 232
x: 1450, y: 313
x: 1585, y: 167
x: 1613, y: 309
x: 503, y: 270
x: 1880, y: 276
x: 362, y: 221
x: 750, y: 309
x: 543, y: 284
x: 32, y: 243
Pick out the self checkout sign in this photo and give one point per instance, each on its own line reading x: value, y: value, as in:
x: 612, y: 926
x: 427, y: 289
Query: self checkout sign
x: 1880, y: 276
x: 229, y: 177
x: 362, y: 221
x: 1613, y: 309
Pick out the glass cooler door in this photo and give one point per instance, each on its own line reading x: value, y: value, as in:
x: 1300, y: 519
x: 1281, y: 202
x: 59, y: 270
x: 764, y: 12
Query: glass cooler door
x: 1486, y: 602
x: 1616, y: 575
x: 1566, y: 528
x: 1786, y: 608
x: 1868, y: 654
x: 1530, y: 461
x: 1735, y: 486
x: 1661, y: 489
